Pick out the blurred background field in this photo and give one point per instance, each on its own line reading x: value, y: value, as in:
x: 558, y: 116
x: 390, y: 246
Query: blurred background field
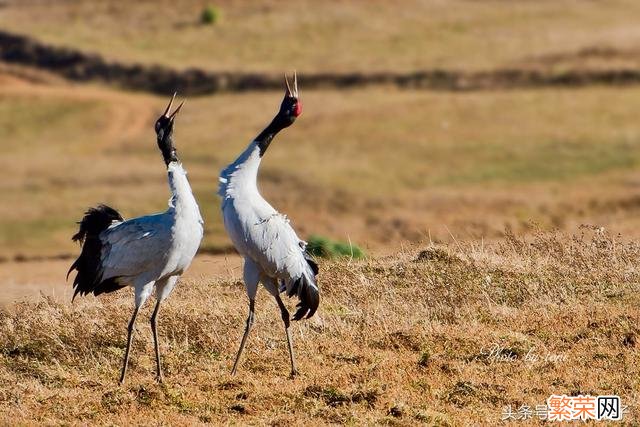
x: 379, y: 165
x: 329, y: 36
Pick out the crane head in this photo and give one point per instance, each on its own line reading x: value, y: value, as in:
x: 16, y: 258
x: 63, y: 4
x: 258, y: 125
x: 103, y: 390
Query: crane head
x: 164, y: 131
x: 291, y: 106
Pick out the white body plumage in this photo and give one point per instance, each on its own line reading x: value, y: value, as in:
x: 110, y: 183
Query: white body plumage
x: 271, y: 249
x: 148, y: 252
x: 154, y: 250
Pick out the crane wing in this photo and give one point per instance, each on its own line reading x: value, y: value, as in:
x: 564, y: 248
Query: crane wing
x: 274, y: 245
x: 136, y: 246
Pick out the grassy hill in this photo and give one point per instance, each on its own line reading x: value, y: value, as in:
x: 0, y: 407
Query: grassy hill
x: 331, y: 35
x: 378, y: 166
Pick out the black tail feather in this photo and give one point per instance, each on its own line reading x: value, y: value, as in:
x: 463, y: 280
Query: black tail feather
x: 312, y: 263
x: 88, y: 265
x: 307, y: 291
x: 294, y: 289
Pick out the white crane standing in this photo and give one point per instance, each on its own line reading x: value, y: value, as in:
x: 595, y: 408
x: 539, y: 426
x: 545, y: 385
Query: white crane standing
x: 148, y: 252
x: 273, y: 253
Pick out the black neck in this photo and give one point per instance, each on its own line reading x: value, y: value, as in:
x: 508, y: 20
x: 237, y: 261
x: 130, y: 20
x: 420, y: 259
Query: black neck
x: 169, y: 153
x: 266, y: 136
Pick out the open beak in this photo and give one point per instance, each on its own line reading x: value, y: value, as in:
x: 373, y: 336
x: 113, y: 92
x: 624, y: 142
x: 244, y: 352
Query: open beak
x: 289, y: 92
x: 172, y: 115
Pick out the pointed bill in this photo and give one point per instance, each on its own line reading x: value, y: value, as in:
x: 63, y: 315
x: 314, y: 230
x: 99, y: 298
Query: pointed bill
x: 295, y: 84
x: 286, y: 82
x: 166, y: 112
x: 173, y: 115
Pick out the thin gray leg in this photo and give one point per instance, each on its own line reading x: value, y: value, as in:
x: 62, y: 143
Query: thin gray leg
x: 129, y: 341
x: 285, y: 318
x: 154, y: 328
x: 244, y: 337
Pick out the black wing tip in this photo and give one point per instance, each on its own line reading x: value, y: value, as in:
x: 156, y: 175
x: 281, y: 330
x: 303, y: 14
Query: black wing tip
x: 94, y: 221
x: 106, y: 286
x: 306, y: 289
x: 89, y: 264
x: 73, y: 266
x: 309, y: 300
x: 312, y: 263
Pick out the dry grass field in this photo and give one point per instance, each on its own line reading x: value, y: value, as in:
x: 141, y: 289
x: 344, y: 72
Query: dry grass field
x: 399, y: 340
x: 495, y: 221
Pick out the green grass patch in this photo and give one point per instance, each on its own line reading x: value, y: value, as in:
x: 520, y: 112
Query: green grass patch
x: 210, y: 15
x: 324, y: 247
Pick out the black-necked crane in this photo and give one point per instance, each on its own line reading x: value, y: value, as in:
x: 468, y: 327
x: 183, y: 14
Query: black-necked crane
x: 273, y: 253
x: 149, y: 252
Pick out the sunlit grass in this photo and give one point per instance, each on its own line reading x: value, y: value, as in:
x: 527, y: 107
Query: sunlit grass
x: 331, y: 35
x: 354, y: 166
x: 397, y: 340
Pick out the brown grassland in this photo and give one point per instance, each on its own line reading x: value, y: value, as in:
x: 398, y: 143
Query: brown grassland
x: 493, y: 220
x: 479, y: 162
x: 380, y: 166
x: 399, y: 340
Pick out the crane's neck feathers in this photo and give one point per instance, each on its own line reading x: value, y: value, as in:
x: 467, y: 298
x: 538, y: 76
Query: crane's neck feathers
x: 240, y: 176
x: 168, y: 150
x: 182, y: 199
x: 263, y: 140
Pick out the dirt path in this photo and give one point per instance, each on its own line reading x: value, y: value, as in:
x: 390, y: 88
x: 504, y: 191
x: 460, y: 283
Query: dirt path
x: 27, y: 280
x: 130, y: 112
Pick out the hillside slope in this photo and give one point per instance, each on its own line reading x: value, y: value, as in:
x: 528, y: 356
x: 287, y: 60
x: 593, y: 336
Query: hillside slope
x: 329, y: 36
x: 470, y: 164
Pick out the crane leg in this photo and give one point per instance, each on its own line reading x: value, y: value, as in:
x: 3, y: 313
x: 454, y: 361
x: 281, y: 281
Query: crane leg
x: 154, y: 329
x: 286, y: 319
x: 244, y: 337
x: 129, y: 341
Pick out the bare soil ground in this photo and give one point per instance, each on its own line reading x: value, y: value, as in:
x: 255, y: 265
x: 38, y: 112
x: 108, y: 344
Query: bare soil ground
x: 28, y: 280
